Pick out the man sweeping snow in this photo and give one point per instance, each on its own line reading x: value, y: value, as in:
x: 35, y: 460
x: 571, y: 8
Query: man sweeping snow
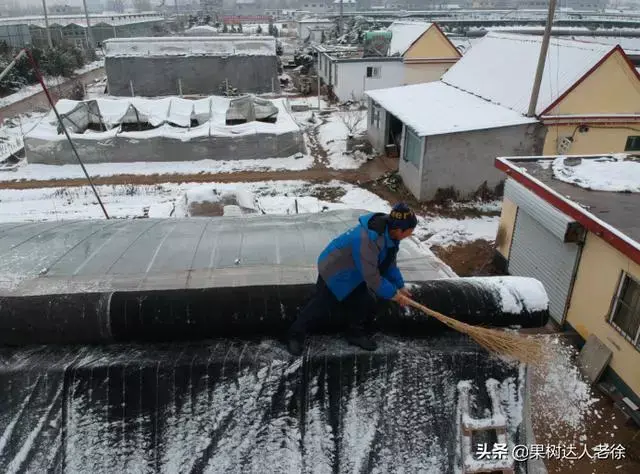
x: 355, y: 271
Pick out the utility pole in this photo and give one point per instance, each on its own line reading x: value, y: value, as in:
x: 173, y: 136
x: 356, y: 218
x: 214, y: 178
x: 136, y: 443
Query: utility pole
x: 541, y: 60
x: 46, y: 23
x: 341, y: 12
x: 90, y: 42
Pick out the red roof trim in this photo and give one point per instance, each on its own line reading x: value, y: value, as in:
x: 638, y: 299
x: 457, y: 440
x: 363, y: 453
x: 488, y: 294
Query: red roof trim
x: 569, y: 208
x: 606, y: 121
x: 581, y: 80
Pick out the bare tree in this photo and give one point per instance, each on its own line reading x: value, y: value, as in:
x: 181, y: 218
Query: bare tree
x: 352, y: 116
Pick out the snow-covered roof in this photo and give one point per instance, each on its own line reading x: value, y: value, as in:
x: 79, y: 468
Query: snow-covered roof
x: 501, y: 68
x: 191, y: 46
x: 168, y: 114
x: 435, y: 108
x: 404, y: 34
x: 80, y: 19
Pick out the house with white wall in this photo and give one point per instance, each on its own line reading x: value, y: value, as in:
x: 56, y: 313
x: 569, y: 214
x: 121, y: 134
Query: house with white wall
x: 416, y: 52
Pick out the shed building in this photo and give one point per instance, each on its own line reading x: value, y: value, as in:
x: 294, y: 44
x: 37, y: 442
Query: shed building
x: 447, y: 139
x: 572, y: 223
x: 191, y: 65
x: 416, y: 52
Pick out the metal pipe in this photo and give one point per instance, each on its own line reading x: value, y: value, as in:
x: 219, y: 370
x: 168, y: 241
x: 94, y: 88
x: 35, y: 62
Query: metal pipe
x: 90, y: 41
x: 12, y: 63
x: 46, y: 23
x: 541, y: 60
x: 64, y: 129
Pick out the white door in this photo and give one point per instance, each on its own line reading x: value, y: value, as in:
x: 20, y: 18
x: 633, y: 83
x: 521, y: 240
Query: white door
x: 537, y: 253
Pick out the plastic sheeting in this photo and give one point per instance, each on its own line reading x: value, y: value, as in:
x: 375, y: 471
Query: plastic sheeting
x: 251, y: 311
x: 238, y: 406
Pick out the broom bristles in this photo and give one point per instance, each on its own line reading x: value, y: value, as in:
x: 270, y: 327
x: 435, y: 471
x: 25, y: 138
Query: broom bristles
x: 529, y: 350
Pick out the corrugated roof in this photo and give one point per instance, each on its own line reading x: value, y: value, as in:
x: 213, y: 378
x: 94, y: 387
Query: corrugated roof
x: 501, y: 68
x: 146, y: 254
x: 435, y: 108
x: 190, y: 46
x: 404, y: 34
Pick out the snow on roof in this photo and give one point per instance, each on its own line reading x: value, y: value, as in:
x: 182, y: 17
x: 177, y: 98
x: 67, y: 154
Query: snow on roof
x: 630, y: 45
x: 404, y: 34
x: 191, y: 46
x: 501, y: 68
x: 163, y: 113
x: 80, y: 19
x: 315, y: 20
x: 608, y: 173
x: 435, y: 108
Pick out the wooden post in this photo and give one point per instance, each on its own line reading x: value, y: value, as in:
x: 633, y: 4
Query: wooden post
x: 541, y: 60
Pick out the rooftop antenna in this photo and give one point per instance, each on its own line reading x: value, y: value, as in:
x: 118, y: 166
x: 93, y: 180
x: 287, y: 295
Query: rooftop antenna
x: 535, y: 93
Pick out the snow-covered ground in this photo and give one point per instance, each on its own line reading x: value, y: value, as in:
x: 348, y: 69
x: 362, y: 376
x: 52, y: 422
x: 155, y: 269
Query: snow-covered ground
x: 174, y: 200
x: 601, y: 174
x: 32, y: 89
x: 333, y: 138
x: 445, y: 231
x: 48, y: 172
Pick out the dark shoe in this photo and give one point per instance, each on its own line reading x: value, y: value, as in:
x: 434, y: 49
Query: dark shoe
x: 295, y: 346
x: 363, y: 342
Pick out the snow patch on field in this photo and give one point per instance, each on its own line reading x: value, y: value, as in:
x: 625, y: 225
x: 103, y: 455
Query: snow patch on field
x: 33, y: 89
x: 445, y: 231
x: 35, y: 172
x: 333, y: 138
x: 30, y: 90
x: 599, y: 174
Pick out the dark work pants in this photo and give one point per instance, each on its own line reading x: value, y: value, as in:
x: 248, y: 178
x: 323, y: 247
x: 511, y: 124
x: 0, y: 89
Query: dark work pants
x: 357, y: 310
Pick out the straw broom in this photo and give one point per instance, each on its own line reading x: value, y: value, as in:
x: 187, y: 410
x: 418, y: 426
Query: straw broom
x: 529, y: 350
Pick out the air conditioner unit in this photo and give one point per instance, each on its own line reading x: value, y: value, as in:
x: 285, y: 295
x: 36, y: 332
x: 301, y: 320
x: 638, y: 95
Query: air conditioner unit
x: 564, y: 145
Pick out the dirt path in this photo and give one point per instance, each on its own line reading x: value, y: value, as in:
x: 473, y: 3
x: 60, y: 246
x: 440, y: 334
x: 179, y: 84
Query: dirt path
x: 39, y: 101
x: 366, y: 173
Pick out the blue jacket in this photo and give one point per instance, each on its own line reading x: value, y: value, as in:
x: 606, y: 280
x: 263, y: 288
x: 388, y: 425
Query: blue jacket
x: 355, y: 257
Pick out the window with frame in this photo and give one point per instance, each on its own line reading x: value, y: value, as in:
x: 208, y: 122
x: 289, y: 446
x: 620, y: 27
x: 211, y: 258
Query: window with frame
x: 373, y: 72
x: 412, y: 147
x: 633, y: 143
x: 335, y: 75
x: 625, y: 316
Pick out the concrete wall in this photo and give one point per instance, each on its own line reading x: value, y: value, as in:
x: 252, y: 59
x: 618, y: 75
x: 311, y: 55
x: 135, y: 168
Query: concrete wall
x: 417, y: 73
x: 352, y: 80
x: 199, y: 74
x: 597, y: 139
x: 137, y: 146
x: 595, y: 286
x: 465, y: 160
x: 432, y: 44
x: 612, y: 89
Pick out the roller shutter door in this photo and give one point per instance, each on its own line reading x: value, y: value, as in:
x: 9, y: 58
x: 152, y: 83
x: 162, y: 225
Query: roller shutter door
x: 538, y: 253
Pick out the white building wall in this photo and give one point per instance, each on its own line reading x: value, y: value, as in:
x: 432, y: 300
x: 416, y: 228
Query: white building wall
x: 349, y: 79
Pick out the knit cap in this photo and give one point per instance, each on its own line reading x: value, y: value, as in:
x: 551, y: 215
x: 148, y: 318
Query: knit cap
x: 402, y: 217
